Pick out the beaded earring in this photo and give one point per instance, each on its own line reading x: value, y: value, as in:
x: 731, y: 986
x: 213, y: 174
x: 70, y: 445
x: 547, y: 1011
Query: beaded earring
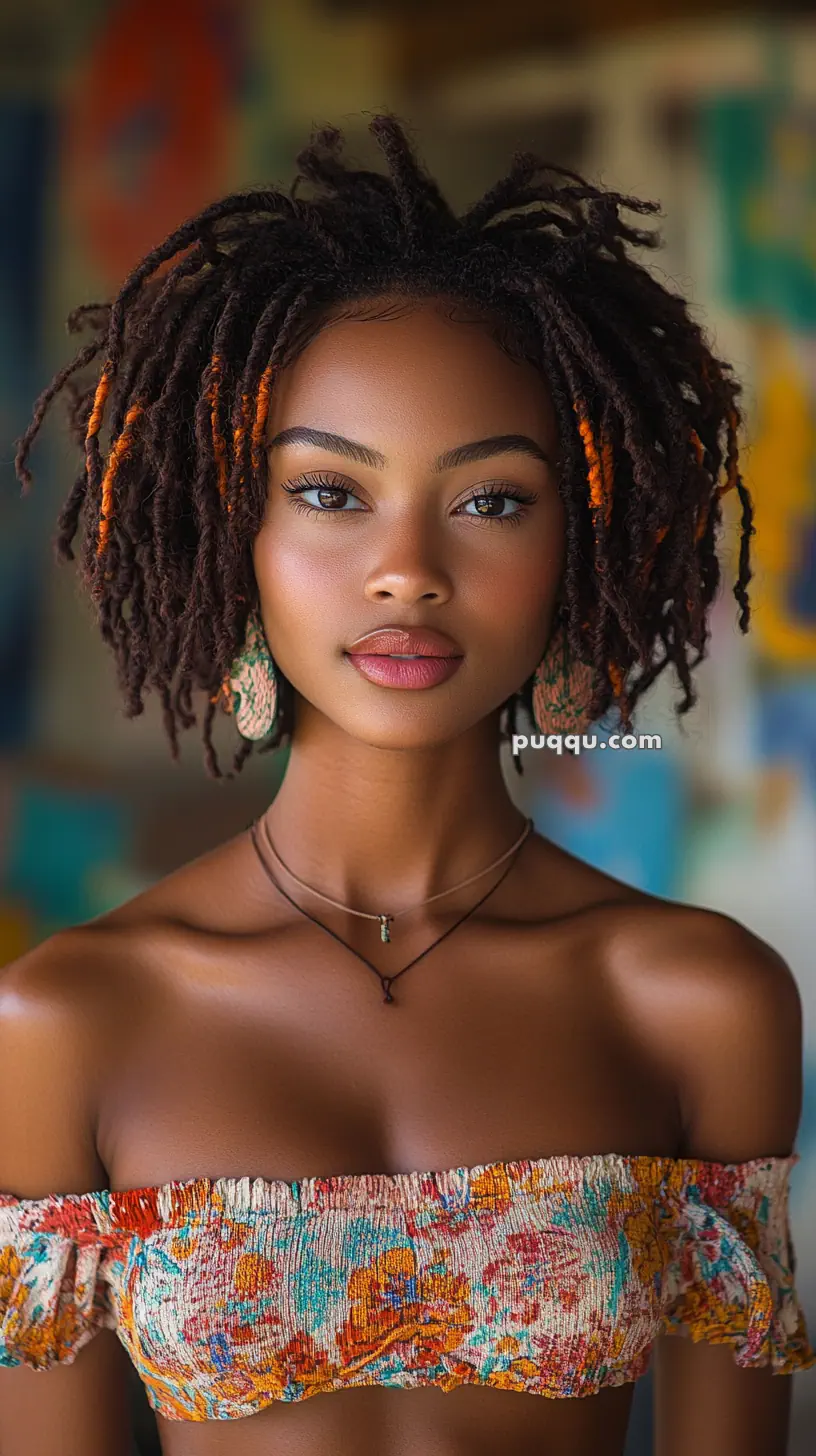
x: 251, y: 688
x: 562, y: 688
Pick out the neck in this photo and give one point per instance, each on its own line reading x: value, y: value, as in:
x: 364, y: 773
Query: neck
x: 382, y: 829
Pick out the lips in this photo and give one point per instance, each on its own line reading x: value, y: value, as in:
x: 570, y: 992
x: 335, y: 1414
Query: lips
x: 406, y: 657
x: 405, y: 642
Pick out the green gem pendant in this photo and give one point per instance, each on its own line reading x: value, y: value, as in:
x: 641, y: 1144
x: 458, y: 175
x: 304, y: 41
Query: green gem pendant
x: 385, y: 933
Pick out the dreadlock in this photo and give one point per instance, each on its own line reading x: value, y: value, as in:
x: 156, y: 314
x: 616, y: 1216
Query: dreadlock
x: 186, y: 355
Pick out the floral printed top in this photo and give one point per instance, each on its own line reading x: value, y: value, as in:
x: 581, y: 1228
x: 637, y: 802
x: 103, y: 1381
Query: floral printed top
x: 552, y: 1276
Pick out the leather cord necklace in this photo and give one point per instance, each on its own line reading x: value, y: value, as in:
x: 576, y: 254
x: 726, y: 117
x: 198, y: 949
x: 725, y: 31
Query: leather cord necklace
x: 385, y: 981
x: 387, y: 920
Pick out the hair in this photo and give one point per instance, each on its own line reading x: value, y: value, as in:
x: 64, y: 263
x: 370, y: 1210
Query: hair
x: 184, y: 359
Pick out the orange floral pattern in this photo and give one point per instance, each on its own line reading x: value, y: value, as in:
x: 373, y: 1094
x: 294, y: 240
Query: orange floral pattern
x: 552, y: 1276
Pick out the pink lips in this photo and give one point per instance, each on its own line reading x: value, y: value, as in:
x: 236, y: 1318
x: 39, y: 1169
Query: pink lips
x: 418, y: 672
x: 400, y: 657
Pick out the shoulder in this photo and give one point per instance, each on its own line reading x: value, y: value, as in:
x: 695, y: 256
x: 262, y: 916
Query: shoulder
x: 69, y: 1007
x: 723, y: 1009
x: 84, y: 982
x: 42, y: 992
x: 63, y: 985
x: 49, y: 1061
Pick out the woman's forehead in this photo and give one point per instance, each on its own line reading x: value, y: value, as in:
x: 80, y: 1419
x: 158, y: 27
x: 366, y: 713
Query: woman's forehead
x: 398, y: 367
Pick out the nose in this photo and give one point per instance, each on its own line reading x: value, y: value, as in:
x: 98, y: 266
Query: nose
x: 407, y: 573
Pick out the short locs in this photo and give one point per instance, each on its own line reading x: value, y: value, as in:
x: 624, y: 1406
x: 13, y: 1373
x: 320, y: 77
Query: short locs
x: 648, y: 416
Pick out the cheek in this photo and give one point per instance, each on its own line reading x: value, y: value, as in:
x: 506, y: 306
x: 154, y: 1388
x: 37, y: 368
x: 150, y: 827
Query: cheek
x: 512, y: 589
x: 297, y: 583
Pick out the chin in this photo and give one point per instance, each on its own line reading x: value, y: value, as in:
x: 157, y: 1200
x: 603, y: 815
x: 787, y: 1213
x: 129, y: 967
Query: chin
x: 428, y: 730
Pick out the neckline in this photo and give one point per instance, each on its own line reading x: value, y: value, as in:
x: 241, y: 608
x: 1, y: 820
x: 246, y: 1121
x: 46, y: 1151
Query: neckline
x: 493, y: 1185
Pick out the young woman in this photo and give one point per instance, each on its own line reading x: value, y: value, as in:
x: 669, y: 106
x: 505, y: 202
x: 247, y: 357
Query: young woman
x: 388, y: 1100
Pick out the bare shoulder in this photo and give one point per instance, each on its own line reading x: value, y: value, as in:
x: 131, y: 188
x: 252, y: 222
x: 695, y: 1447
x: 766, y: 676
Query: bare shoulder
x: 101, y: 981
x: 49, y: 1063
x: 72, y: 1008
x: 95, y: 984
x: 723, y: 1009
x: 44, y: 993
x: 62, y: 985
x: 67, y: 1002
x: 716, y: 1009
x: 69, y: 1008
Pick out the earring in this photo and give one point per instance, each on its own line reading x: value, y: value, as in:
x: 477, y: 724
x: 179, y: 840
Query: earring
x: 562, y: 688
x: 252, y: 686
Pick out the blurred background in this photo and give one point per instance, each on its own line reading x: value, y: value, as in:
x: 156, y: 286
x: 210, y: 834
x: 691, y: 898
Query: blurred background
x: 118, y: 120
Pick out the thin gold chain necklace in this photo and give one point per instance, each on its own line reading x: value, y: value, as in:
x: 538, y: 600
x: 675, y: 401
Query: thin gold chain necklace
x: 386, y: 921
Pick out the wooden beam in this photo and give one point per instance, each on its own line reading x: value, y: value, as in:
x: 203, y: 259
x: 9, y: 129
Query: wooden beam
x: 434, y: 38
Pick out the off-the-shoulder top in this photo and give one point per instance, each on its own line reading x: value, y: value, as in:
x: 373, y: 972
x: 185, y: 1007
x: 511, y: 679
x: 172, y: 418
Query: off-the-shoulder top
x: 552, y: 1276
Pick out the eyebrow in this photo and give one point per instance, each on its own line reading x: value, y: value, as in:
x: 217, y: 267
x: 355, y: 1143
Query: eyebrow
x: 459, y: 455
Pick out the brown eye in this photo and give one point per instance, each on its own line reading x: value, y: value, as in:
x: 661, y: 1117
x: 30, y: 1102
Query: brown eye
x: 333, y: 499
x: 492, y: 505
x: 507, y: 505
x: 323, y: 497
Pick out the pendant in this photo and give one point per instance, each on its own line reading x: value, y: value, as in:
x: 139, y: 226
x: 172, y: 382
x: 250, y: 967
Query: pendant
x: 386, y: 981
x: 385, y: 934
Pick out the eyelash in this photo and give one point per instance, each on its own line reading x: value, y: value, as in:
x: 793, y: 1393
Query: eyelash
x: 325, y: 482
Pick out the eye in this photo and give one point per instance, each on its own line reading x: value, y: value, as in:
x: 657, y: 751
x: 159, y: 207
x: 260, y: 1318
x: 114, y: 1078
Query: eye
x: 490, y: 504
x: 330, y: 496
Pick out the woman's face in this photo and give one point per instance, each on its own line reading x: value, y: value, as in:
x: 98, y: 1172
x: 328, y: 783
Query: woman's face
x: 402, y: 538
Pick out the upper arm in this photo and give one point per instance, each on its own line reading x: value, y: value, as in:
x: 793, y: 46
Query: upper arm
x: 47, y: 1147
x: 738, y: 1041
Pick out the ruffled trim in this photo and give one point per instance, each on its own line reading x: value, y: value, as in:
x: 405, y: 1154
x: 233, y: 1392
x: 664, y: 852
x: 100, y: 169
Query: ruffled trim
x: 53, y: 1299
x: 731, y: 1278
x: 142, y: 1211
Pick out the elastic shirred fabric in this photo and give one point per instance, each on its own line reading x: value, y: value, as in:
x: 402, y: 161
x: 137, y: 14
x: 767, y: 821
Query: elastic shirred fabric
x: 551, y: 1276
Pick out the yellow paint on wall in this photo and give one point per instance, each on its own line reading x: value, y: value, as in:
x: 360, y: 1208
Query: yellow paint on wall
x: 16, y: 932
x: 778, y: 470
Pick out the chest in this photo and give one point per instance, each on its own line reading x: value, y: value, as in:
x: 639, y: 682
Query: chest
x: 281, y: 1059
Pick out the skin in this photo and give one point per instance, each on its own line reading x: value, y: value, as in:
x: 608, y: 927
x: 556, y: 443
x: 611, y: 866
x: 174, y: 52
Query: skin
x: 206, y: 1027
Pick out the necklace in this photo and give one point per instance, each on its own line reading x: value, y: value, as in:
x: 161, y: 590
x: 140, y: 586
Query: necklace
x: 386, y: 921
x: 385, y: 981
